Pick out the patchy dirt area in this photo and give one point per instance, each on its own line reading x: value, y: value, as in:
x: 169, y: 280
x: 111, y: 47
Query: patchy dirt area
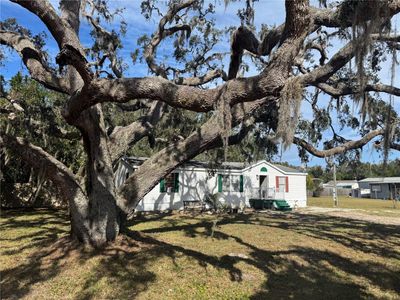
x: 354, y: 214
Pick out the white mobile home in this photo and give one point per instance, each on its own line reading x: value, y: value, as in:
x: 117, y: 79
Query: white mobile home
x: 343, y: 187
x: 234, y: 183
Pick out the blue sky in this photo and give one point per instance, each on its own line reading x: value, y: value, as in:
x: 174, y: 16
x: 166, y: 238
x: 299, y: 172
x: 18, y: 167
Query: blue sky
x: 269, y: 12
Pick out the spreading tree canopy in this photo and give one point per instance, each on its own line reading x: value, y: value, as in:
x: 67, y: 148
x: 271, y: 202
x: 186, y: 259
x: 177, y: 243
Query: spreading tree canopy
x: 204, y: 104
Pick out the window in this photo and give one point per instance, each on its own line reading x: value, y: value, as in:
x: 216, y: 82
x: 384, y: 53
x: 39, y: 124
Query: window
x: 235, y: 183
x: 282, y: 184
x: 230, y: 183
x: 225, y: 183
x: 375, y: 188
x: 170, y: 183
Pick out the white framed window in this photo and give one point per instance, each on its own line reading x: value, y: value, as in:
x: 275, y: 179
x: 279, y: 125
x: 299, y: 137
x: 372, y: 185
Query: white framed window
x: 282, y: 184
x: 226, y: 184
x: 235, y: 183
x: 376, y: 188
x: 170, y: 183
x: 230, y: 183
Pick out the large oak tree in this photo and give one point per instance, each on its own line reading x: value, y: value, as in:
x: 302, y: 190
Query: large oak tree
x: 236, y: 106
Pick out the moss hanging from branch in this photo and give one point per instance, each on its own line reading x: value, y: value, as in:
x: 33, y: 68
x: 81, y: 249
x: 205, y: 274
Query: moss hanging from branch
x: 224, y: 115
x: 390, y: 121
x: 362, y: 30
x: 361, y: 34
x: 289, y: 110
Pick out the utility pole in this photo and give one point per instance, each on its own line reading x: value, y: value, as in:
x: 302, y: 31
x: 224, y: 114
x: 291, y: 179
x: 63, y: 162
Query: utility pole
x: 335, y: 198
x: 331, y: 162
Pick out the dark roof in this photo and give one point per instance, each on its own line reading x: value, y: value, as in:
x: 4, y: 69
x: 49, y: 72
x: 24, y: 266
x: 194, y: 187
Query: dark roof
x: 137, y: 161
x: 287, y: 169
x: 342, y: 181
x: 381, y: 180
x: 207, y: 165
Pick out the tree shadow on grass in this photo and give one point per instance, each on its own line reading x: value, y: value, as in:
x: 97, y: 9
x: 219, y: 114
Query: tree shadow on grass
x: 50, y: 252
x: 40, y: 228
x: 371, y: 238
x: 304, y: 272
x: 298, y: 272
x: 367, y: 237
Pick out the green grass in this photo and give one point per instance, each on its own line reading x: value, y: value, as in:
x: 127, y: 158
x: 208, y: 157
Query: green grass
x: 174, y: 256
x: 375, y: 206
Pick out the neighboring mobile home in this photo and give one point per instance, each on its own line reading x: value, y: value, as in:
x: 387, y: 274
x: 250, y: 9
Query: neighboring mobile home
x: 381, y: 187
x: 343, y: 187
x: 233, y: 183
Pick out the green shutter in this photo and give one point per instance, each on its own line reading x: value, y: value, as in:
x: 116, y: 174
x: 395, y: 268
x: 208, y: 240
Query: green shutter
x: 241, y: 184
x: 176, y: 182
x: 219, y: 183
x: 162, y: 185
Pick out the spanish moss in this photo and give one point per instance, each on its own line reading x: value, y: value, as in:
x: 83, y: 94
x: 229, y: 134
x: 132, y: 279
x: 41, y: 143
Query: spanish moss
x: 289, y: 110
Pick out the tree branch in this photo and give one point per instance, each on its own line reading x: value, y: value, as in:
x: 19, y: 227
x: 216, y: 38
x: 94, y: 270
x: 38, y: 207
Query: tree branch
x: 70, y: 56
x: 110, y: 47
x: 343, y: 90
x: 70, y: 13
x: 60, y: 29
x: 323, y: 73
x: 166, y: 160
x: 156, y: 88
x: 238, y: 90
x: 138, y: 104
x: 54, y: 170
x: 321, y: 50
x: 343, y: 15
x: 395, y: 146
x: 200, y: 80
x: 340, y: 59
x: 68, y: 187
x: 339, y: 149
x: 54, y: 130
x: 161, y: 33
x: 34, y: 61
x: 123, y: 137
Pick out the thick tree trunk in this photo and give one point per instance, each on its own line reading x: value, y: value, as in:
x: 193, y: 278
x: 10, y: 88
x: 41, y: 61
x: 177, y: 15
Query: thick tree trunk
x: 103, y: 218
x: 101, y: 224
x: 103, y: 214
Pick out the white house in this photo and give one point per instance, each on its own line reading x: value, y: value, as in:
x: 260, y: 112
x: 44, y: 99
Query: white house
x: 343, y: 187
x: 342, y: 184
x: 234, y: 183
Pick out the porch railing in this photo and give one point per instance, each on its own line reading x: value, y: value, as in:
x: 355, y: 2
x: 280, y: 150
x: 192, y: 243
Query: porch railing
x: 269, y: 193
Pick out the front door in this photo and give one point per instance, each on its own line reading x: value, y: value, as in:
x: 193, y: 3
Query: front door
x: 263, y: 186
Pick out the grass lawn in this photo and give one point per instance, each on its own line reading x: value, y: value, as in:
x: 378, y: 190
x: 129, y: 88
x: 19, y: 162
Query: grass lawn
x: 371, y: 206
x: 174, y: 256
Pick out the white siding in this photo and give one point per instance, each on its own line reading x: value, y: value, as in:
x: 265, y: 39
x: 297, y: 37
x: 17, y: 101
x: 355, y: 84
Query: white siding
x: 195, y: 183
x: 297, y: 194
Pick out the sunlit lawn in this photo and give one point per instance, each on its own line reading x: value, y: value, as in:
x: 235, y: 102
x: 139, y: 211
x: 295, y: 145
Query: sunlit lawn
x: 251, y: 256
x: 371, y: 206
